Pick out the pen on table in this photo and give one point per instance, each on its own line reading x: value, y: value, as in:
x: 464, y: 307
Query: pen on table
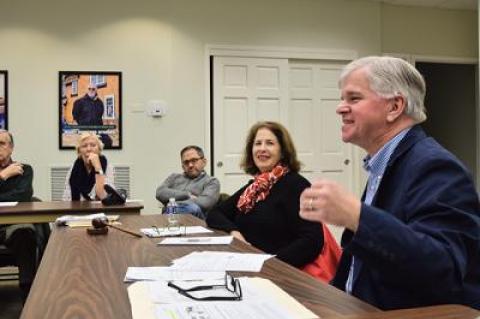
x: 155, y: 228
x: 194, y: 240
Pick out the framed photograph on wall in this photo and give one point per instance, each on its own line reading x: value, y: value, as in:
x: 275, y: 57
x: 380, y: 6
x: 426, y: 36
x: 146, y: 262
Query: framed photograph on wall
x: 90, y: 102
x: 4, y: 100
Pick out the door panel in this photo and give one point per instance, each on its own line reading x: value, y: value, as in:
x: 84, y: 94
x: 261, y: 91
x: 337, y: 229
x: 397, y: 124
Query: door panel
x: 300, y: 94
x: 314, y: 124
x: 246, y: 90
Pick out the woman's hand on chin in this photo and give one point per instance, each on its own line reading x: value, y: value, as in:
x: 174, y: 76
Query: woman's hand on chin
x: 94, y: 160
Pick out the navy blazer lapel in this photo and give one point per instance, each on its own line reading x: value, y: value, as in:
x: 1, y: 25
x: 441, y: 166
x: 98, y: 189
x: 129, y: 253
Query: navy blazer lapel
x: 415, y: 134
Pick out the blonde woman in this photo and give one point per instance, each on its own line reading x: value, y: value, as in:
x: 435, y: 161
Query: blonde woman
x: 90, y: 171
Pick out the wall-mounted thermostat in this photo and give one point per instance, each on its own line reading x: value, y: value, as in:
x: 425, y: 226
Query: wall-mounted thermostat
x: 156, y: 108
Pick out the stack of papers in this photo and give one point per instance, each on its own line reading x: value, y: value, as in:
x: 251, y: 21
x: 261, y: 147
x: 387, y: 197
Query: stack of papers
x: 168, y: 273
x: 165, y: 232
x: 218, y: 240
x: 220, y: 261
x: 262, y: 299
x: 82, y: 220
x: 8, y: 204
x: 152, y: 298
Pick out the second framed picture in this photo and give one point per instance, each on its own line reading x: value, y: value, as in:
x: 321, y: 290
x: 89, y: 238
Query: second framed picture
x: 90, y: 102
x: 4, y: 100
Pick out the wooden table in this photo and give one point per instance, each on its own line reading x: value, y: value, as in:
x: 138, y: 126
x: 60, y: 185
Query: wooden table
x: 43, y: 212
x: 437, y: 312
x: 81, y: 276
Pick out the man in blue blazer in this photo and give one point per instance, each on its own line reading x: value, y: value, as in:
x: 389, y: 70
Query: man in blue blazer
x: 414, y: 238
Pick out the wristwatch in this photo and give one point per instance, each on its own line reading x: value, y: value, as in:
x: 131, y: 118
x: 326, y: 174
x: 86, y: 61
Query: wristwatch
x: 100, y: 172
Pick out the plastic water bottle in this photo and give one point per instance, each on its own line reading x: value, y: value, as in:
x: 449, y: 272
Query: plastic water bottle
x: 171, y: 211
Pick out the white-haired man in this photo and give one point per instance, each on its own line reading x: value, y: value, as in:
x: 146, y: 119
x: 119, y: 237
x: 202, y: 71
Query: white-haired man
x: 414, y: 238
x: 16, y: 186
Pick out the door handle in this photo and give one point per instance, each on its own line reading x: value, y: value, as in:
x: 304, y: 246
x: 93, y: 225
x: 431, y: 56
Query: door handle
x: 346, y: 161
x: 219, y: 164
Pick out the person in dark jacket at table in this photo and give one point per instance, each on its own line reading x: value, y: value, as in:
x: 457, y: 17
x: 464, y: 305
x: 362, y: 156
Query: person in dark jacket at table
x: 264, y: 212
x: 413, y: 240
x: 16, y: 186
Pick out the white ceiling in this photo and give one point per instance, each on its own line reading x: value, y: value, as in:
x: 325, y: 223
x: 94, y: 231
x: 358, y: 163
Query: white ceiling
x: 446, y: 4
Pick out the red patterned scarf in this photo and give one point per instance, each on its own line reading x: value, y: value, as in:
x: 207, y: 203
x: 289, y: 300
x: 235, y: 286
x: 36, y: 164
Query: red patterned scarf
x: 260, y: 188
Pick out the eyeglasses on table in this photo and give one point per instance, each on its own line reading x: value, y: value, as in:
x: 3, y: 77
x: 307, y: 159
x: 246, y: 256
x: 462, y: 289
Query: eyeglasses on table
x: 231, y: 286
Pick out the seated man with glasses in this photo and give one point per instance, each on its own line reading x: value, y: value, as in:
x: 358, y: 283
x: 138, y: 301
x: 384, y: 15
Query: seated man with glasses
x: 194, y: 190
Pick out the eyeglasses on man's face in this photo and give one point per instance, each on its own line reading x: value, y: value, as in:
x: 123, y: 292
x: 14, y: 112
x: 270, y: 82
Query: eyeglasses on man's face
x: 192, y: 161
x: 229, y: 290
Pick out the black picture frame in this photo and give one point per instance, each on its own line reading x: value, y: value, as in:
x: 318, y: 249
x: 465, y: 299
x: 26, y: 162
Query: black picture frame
x: 79, y: 112
x: 4, y: 99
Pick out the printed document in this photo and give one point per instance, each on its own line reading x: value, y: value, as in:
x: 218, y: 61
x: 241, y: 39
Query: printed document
x: 168, y: 273
x: 8, y: 204
x: 220, y: 310
x: 262, y: 299
x: 221, y: 261
x: 218, y: 240
x: 82, y: 219
x: 165, y: 232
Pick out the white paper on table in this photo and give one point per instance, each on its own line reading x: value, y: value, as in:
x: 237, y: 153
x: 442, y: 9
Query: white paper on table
x: 134, y: 201
x: 218, y: 240
x: 168, y: 273
x: 261, y: 299
x: 221, y: 261
x: 142, y: 306
x: 220, y: 310
x: 161, y: 293
x: 83, y: 220
x: 62, y: 220
x: 8, y: 204
x: 279, y: 296
x: 164, y: 231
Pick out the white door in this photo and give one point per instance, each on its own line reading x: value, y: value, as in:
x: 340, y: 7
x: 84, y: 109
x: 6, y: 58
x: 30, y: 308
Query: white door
x: 314, y: 124
x: 246, y: 90
x: 302, y: 96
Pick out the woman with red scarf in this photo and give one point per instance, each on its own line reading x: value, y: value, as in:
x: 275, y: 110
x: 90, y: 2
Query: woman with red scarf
x: 264, y: 212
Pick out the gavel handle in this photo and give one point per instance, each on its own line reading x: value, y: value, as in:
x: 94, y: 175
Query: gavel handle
x: 125, y: 230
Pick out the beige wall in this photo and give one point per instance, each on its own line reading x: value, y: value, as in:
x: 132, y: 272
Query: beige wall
x: 159, y: 45
x: 426, y: 31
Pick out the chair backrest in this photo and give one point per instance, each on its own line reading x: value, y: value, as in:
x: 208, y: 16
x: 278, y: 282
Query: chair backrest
x: 325, y: 265
x: 6, y: 257
x: 223, y: 197
x: 42, y: 232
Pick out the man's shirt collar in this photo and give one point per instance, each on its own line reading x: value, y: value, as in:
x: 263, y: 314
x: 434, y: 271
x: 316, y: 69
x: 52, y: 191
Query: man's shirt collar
x: 377, y: 163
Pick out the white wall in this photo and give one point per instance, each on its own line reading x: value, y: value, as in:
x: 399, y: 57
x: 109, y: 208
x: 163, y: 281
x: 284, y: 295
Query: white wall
x: 159, y: 45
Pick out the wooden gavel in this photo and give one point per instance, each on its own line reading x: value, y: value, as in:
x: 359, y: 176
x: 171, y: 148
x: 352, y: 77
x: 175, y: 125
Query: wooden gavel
x: 100, y: 225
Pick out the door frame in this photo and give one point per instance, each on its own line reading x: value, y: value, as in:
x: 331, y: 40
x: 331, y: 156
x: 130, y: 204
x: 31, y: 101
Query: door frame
x: 414, y: 58
x: 217, y: 50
